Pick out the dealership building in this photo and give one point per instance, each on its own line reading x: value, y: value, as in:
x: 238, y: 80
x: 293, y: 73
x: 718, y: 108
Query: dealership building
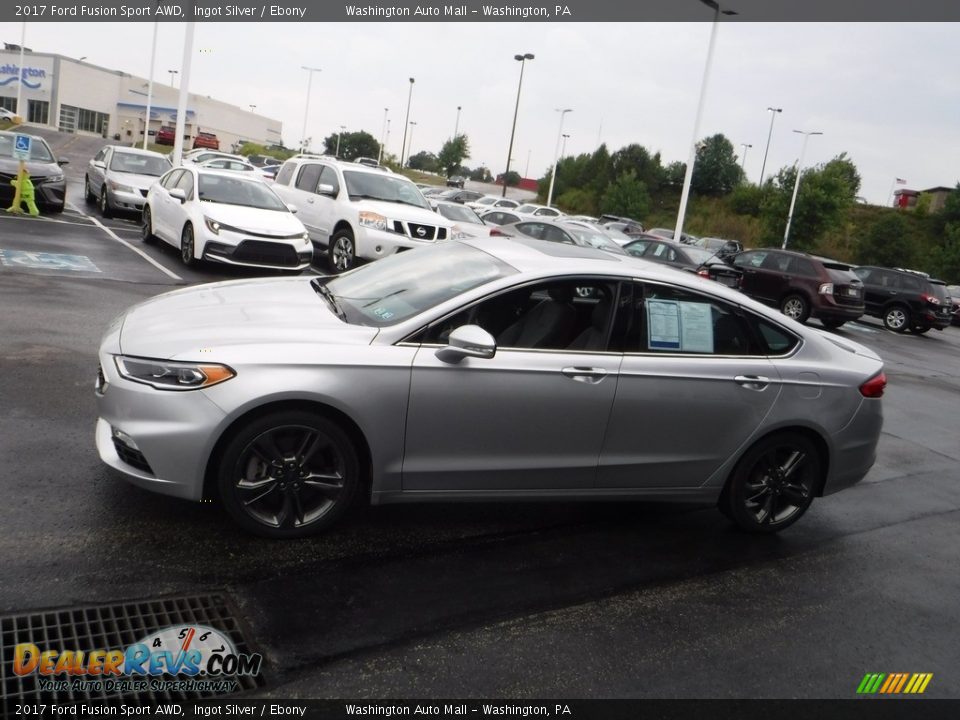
x: 77, y: 97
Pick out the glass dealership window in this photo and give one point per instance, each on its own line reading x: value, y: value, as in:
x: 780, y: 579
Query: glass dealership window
x: 38, y: 111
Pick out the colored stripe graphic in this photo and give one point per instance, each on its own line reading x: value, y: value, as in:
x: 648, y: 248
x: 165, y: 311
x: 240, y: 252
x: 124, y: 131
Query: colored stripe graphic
x: 894, y: 683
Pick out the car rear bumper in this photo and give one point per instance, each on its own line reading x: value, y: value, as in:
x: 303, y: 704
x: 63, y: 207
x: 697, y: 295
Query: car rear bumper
x: 855, y: 447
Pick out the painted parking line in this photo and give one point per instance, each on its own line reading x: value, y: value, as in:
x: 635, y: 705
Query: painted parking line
x: 861, y: 328
x: 123, y: 242
x: 42, y: 219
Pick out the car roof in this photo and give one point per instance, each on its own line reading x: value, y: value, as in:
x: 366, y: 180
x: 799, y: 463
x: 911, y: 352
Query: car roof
x: 136, y: 151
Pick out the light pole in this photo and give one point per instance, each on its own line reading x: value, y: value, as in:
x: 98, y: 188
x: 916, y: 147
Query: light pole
x: 526, y: 170
x: 306, y: 107
x: 339, y: 135
x: 172, y: 73
x: 153, y: 62
x: 383, y: 135
x: 184, y: 91
x: 563, y: 149
x: 556, y: 154
x: 410, y: 147
x: 23, y: 39
x: 403, y: 146
x: 743, y: 163
x: 773, y: 114
x: 688, y: 176
x: 796, y: 184
x: 522, y: 59
x: 456, y: 125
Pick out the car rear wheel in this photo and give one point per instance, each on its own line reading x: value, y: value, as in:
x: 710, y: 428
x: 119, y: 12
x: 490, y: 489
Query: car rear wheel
x: 796, y: 307
x: 342, y: 251
x: 104, y: 202
x: 187, y: 249
x: 147, y: 229
x: 896, y: 318
x: 288, y: 474
x: 773, y: 484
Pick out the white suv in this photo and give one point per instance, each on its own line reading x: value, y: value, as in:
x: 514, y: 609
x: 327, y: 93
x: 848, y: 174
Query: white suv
x: 354, y: 211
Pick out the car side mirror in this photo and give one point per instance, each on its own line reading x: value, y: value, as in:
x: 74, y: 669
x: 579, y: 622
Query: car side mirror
x: 324, y: 189
x: 63, y: 161
x: 178, y: 194
x: 468, y: 341
x: 292, y: 208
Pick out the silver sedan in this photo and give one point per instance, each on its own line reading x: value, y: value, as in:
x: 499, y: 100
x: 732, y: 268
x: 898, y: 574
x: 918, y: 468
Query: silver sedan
x: 474, y: 370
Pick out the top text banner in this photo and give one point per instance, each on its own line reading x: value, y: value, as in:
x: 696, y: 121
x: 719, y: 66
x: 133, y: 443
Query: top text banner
x: 471, y: 11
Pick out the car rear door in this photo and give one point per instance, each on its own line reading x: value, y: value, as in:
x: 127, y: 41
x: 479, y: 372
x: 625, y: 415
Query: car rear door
x: 694, y: 386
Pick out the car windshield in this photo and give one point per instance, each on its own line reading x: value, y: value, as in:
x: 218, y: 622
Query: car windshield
x: 486, y: 201
x: 238, y: 191
x: 400, y: 286
x: 592, y: 239
x: 699, y: 255
x: 389, y: 188
x: 126, y: 162
x: 38, y: 148
x: 459, y: 213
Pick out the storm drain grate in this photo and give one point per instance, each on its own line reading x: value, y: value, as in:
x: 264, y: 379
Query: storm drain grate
x: 116, y: 627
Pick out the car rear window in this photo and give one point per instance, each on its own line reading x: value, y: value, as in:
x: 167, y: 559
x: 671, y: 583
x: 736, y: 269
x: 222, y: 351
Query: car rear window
x: 938, y: 290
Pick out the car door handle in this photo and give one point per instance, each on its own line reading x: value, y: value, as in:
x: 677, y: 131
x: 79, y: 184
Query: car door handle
x: 752, y: 382
x: 585, y: 374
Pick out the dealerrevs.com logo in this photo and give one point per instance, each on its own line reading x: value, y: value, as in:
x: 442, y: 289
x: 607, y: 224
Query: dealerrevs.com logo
x: 894, y: 683
x: 200, y: 658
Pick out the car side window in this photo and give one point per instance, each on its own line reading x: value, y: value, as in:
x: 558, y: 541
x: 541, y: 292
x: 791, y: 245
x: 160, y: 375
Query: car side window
x: 100, y: 155
x: 328, y: 176
x: 220, y: 164
x: 170, y: 181
x: 779, y: 263
x: 309, y: 177
x: 555, y: 234
x: 678, y: 321
x: 750, y: 259
x: 910, y: 283
x: 865, y: 275
x: 569, y: 315
x: 185, y: 183
x: 887, y: 279
x: 805, y: 268
x: 285, y: 173
x: 531, y: 229
x: 636, y: 248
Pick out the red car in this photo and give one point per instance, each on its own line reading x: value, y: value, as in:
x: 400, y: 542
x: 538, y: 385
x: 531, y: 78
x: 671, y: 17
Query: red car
x: 166, y: 135
x: 206, y: 140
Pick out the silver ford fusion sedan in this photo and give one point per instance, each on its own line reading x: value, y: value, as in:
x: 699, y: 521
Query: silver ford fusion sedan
x: 480, y: 370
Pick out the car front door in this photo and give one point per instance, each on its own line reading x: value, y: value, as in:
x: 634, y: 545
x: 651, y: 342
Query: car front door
x: 163, y: 208
x: 693, y: 387
x: 96, y: 172
x: 530, y: 418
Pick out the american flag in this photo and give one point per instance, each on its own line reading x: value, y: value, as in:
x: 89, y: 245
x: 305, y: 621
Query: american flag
x: 901, y: 181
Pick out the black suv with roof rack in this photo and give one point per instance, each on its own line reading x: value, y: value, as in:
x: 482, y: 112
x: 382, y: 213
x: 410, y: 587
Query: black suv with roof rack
x: 905, y: 299
x: 802, y: 285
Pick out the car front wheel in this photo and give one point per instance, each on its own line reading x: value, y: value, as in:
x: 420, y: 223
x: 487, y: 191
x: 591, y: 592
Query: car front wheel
x: 773, y: 484
x: 288, y: 474
x: 104, y: 202
x: 87, y: 191
x: 147, y: 229
x: 187, y: 250
x: 342, y: 251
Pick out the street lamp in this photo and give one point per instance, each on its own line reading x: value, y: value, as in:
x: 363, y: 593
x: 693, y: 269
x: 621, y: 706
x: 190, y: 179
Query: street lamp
x: 456, y: 126
x: 796, y: 184
x: 153, y: 62
x: 522, y: 59
x: 743, y: 163
x: 773, y: 114
x: 563, y: 149
x: 556, y: 153
x: 403, y: 146
x: 306, y: 108
x: 688, y: 176
x: 383, y: 135
x: 412, y: 123
x: 339, y: 135
x: 172, y: 73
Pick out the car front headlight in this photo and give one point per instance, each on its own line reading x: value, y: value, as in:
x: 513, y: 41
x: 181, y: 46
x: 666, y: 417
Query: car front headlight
x: 457, y: 234
x: 169, y: 375
x: 120, y: 187
x: 52, y: 178
x: 212, y: 225
x: 373, y: 220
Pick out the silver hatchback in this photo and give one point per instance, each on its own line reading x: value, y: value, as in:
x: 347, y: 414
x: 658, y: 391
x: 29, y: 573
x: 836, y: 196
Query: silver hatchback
x: 482, y: 370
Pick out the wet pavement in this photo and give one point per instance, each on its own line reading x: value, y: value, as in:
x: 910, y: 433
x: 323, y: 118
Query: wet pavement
x: 522, y: 600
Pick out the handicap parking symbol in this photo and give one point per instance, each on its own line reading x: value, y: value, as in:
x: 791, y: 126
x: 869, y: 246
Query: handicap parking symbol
x: 21, y: 147
x: 47, y: 261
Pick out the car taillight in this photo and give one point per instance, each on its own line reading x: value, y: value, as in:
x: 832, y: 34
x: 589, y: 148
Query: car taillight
x: 498, y: 232
x: 927, y: 297
x: 874, y: 387
x: 703, y: 272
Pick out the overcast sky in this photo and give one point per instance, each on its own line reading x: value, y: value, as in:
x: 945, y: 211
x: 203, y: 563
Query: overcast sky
x: 887, y: 94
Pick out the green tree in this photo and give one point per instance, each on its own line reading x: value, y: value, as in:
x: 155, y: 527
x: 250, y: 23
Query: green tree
x: 887, y: 243
x: 674, y: 173
x: 627, y: 195
x: 637, y: 159
x: 453, y: 153
x: 746, y: 200
x: 423, y: 160
x: 512, y: 178
x: 352, y: 145
x: 481, y: 174
x: 716, y: 171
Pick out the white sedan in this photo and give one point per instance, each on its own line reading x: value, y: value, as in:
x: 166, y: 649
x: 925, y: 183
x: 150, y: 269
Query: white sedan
x: 225, y: 217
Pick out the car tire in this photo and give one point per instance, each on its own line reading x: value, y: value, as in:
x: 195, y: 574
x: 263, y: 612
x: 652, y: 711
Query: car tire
x: 795, y: 306
x: 104, y: 202
x: 832, y: 324
x: 342, y: 253
x: 773, y: 484
x: 288, y: 474
x: 187, y: 249
x: 896, y: 318
x: 87, y: 191
x: 147, y: 229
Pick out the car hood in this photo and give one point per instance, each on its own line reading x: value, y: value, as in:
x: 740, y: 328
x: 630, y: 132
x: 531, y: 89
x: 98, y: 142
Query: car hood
x: 198, y: 321
x: 34, y: 167
x: 399, y: 211
x: 276, y: 223
x: 139, y: 182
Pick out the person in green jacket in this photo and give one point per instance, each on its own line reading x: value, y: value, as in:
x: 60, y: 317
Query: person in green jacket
x: 23, y: 193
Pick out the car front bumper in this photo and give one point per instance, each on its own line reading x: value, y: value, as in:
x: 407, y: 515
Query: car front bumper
x: 242, y: 249
x: 373, y: 244
x: 123, y: 200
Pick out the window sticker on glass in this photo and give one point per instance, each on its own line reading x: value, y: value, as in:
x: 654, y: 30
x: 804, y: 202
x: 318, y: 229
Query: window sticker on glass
x: 663, y: 324
x: 696, y: 327
x: 382, y: 313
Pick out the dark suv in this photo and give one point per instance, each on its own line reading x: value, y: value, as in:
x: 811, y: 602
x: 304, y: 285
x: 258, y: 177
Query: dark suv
x: 905, y: 299
x: 802, y: 285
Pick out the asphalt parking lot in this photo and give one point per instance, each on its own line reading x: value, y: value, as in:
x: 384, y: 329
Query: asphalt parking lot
x: 536, y: 600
